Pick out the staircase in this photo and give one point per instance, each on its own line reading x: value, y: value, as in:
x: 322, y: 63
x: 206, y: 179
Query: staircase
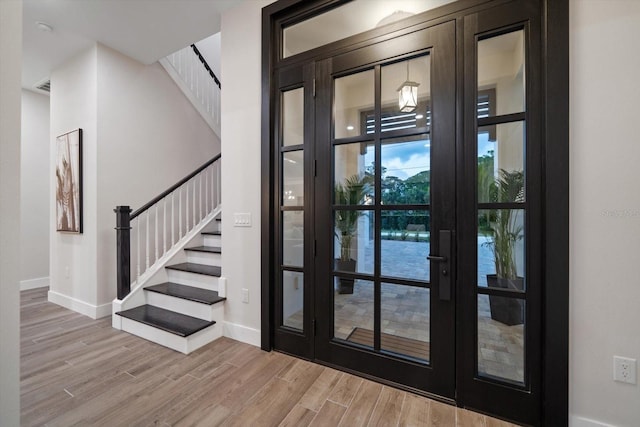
x: 171, y: 247
x: 187, y: 311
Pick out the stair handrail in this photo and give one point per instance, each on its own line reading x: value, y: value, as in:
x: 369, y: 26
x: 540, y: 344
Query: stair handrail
x: 174, y: 187
x: 206, y: 66
x: 203, y: 205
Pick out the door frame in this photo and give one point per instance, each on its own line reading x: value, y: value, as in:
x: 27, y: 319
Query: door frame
x: 554, y: 17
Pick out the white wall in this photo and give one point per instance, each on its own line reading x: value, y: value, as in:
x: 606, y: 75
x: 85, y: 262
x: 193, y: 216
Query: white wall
x: 140, y: 136
x: 241, y: 177
x: 10, y: 79
x: 34, y: 191
x: 73, y: 257
x: 605, y: 207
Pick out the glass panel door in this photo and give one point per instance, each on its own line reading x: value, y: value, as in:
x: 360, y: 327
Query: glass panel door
x: 386, y: 158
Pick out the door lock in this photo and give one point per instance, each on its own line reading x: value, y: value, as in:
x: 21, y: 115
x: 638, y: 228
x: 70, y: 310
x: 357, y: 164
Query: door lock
x: 444, y: 280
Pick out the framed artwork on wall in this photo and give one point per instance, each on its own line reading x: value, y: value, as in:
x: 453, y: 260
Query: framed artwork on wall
x: 69, y: 182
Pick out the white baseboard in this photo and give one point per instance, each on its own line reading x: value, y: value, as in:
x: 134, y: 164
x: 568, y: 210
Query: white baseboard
x: 242, y: 333
x: 40, y: 282
x: 82, y: 307
x: 576, y: 421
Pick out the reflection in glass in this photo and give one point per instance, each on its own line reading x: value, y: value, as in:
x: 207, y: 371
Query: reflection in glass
x: 293, y: 117
x: 293, y: 178
x: 501, y: 151
x: 501, y: 243
x: 354, y: 174
x: 399, y: 78
x: 405, y: 244
x: 293, y: 238
x: 406, y: 170
x: 353, y: 97
x: 349, y: 19
x: 353, y: 242
x: 500, y: 346
x: 353, y: 313
x: 405, y: 320
x: 501, y: 68
x: 292, y: 299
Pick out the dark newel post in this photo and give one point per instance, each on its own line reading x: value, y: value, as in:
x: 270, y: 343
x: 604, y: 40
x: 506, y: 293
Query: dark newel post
x: 123, y: 249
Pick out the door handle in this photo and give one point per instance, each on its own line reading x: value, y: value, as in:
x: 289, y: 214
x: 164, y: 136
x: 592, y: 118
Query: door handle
x: 445, y: 264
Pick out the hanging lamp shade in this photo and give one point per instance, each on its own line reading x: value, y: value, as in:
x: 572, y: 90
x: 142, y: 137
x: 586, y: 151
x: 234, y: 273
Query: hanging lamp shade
x: 408, y: 96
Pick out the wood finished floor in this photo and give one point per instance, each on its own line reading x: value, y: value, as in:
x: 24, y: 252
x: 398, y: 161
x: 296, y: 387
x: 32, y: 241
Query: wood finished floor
x: 81, y: 372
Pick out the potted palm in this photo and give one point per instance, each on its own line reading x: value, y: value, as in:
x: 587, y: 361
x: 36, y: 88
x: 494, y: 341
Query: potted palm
x: 505, y: 231
x: 350, y: 192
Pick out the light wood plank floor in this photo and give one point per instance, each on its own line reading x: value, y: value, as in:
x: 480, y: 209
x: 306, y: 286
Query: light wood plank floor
x: 81, y: 372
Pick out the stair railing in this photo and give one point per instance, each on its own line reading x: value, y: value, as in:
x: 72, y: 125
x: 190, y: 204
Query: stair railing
x: 161, y: 223
x: 198, y: 81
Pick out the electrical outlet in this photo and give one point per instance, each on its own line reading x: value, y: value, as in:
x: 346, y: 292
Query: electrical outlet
x: 624, y: 369
x: 245, y: 295
x: 67, y: 272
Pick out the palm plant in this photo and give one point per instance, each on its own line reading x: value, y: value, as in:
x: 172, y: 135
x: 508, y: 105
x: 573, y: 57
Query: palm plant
x: 505, y: 229
x: 350, y: 192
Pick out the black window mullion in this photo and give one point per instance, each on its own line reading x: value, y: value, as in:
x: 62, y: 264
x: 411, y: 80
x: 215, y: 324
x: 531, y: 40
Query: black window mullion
x: 377, y: 286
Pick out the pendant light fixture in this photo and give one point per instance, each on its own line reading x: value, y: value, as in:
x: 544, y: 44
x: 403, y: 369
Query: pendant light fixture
x: 408, y: 94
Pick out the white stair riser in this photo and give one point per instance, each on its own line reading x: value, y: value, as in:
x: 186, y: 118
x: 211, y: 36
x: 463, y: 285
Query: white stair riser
x: 190, y: 308
x: 206, y: 258
x: 193, y: 279
x: 212, y: 240
x: 175, y: 342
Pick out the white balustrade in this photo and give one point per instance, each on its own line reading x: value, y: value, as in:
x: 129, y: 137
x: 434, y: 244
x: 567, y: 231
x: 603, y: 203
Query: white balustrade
x: 160, y: 222
x: 185, y: 67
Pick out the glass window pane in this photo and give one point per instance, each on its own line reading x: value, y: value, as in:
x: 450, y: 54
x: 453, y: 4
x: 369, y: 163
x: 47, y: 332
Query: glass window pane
x: 501, y: 74
x: 353, y: 241
x: 293, y: 117
x: 406, y: 93
x: 404, y: 243
x: 406, y: 170
x: 501, y: 150
x: 353, y: 98
x: 293, y: 238
x: 501, y: 345
x: 349, y: 19
x: 354, y: 174
x: 293, y: 178
x: 353, y: 312
x: 292, y: 299
x: 501, y: 243
x: 405, y: 320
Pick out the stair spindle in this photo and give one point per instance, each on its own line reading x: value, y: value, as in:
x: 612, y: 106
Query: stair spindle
x: 138, y: 226
x: 146, y: 253
x: 156, y: 235
x: 180, y: 212
x: 164, y: 227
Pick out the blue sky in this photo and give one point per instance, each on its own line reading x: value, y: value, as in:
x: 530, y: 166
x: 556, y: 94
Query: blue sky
x: 406, y: 159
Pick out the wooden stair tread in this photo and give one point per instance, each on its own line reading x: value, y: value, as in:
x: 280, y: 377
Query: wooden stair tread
x: 207, y: 270
x: 166, y: 320
x: 209, y: 249
x: 190, y: 293
x: 211, y: 233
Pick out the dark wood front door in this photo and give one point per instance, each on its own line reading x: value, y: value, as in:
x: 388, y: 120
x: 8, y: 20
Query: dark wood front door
x: 385, y: 201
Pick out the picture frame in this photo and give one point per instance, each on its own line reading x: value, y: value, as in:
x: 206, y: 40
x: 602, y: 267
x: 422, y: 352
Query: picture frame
x: 68, y: 179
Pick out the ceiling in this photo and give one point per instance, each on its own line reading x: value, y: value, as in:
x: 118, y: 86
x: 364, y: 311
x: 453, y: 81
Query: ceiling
x: 145, y: 30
